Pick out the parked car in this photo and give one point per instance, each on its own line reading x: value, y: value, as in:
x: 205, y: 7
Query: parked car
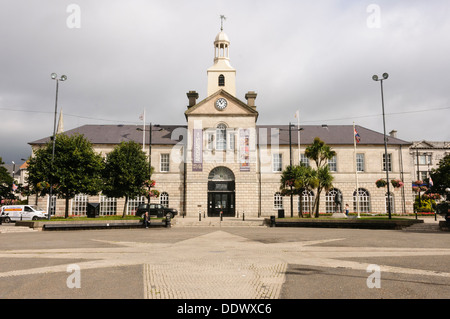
x: 156, y: 210
x: 21, y: 212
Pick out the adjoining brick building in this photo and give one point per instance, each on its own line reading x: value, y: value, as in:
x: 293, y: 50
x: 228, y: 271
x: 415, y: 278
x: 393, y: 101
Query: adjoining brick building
x: 221, y: 160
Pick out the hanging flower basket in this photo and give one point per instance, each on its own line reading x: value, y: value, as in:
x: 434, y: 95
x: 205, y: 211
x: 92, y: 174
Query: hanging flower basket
x: 432, y: 196
x: 397, y: 183
x: 381, y: 183
x: 154, y: 193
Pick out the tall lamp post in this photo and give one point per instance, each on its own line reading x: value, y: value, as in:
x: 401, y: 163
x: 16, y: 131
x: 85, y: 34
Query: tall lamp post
x: 386, y: 166
x: 150, y: 149
x: 62, y: 78
x: 290, y: 161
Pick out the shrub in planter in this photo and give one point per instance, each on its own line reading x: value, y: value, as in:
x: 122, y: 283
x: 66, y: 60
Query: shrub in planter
x: 397, y: 183
x: 381, y: 183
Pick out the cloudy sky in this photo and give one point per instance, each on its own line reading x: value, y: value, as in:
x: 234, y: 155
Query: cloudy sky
x: 124, y: 56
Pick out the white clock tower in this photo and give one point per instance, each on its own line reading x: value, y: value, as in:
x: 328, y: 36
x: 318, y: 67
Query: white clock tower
x: 222, y: 76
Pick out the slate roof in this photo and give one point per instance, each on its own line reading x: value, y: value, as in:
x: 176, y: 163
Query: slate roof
x: 331, y: 134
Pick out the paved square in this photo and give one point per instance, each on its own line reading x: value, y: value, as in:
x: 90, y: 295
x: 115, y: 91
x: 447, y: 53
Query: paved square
x: 224, y: 263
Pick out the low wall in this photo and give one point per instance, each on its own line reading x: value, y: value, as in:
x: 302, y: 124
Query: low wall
x: 344, y: 223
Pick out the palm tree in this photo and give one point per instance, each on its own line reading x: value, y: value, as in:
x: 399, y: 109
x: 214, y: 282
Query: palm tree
x: 320, y: 153
x: 296, y: 179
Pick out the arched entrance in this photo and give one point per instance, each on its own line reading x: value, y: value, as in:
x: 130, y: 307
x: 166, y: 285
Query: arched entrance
x: 221, y: 195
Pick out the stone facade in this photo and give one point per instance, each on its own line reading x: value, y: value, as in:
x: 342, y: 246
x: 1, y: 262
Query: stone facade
x: 221, y: 135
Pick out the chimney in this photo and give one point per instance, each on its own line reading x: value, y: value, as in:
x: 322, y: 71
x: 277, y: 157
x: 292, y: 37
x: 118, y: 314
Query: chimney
x: 192, y: 96
x: 393, y: 133
x: 251, y: 97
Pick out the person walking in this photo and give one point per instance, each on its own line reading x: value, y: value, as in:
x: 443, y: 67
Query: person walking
x: 146, y: 219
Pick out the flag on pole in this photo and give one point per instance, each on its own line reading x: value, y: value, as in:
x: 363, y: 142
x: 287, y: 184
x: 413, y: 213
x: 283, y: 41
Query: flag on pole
x: 14, y: 187
x: 357, y: 137
x: 430, y: 181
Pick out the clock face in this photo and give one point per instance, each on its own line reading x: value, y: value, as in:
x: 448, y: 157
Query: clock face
x: 221, y: 104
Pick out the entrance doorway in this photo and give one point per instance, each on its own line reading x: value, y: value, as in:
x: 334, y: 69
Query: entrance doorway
x: 221, y: 193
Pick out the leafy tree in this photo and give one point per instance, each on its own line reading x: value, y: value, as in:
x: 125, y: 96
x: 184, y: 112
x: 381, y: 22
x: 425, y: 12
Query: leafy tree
x: 320, y: 153
x: 441, y: 176
x: 6, y: 182
x: 76, y: 168
x: 296, y: 179
x: 126, y: 172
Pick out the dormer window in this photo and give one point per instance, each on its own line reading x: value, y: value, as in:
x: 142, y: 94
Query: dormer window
x: 221, y: 80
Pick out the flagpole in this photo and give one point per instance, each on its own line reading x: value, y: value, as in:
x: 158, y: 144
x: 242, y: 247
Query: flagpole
x: 356, y: 170
x: 298, y: 136
x: 143, y: 133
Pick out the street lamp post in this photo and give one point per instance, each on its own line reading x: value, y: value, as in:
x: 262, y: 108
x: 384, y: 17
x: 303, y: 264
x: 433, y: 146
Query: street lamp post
x: 150, y: 149
x: 386, y: 166
x: 290, y: 162
x: 54, y: 76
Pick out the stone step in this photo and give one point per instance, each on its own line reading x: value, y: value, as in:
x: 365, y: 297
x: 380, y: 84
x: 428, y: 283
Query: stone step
x: 423, y: 227
x: 15, y: 229
x: 216, y: 222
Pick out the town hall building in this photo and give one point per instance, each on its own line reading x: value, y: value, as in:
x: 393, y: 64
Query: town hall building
x: 221, y: 161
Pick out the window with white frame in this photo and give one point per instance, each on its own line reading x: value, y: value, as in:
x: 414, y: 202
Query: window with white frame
x: 330, y: 206
x: 389, y: 162
x: 210, y: 140
x: 360, y: 162
x: 276, y: 162
x: 164, y: 199
x: 332, y: 164
x: 307, y: 201
x: 424, y: 159
x: 304, y: 160
x: 52, y: 205
x: 277, y: 201
x: 391, y: 197
x: 221, y: 137
x: 423, y: 175
x: 79, y: 204
x: 108, y: 205
x: 133, y: 204
x: 363, y: 201
x: 164, y: 163
x: 231, y: 139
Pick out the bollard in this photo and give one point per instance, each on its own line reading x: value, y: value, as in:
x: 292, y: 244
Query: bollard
x: 243, y: 216
x: 199, y: 216
x: 168, y: 224
x: 272, y: 221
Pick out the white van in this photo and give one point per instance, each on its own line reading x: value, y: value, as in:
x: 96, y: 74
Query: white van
x: 21, y: 212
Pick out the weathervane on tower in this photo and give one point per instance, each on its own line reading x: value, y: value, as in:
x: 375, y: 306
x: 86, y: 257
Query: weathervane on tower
x: 222, y: 18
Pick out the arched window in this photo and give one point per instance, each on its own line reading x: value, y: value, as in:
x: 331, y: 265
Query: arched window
x: 221, y: 137
x: 329, y: 200
x: 308, y: 201
x: 277, y: 201
x: 391, y: 196
x: 221, y: 80
x: 364, y: 201
x: 164, y: 199
x: 221, y: 173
